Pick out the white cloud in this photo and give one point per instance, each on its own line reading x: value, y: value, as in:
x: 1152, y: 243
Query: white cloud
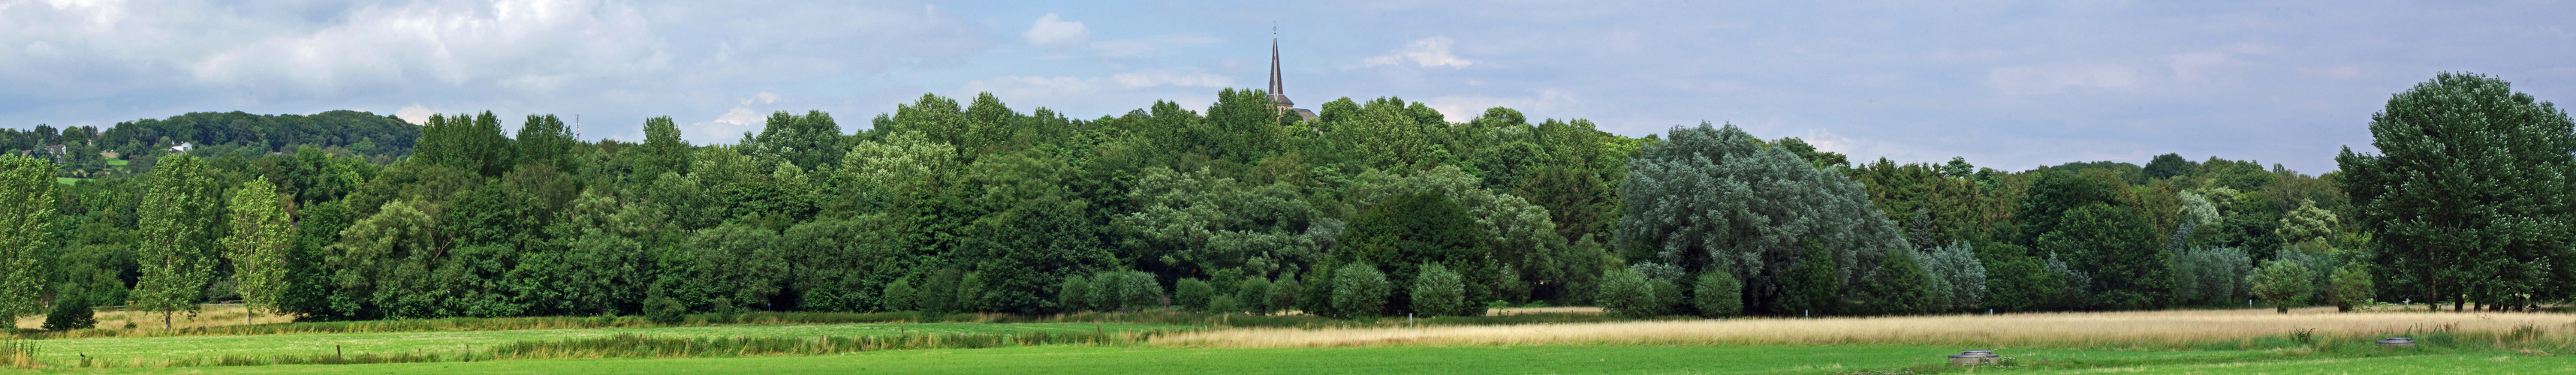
x: 728, y: 127
x: 517, y: 45
x: 1427, y: 52
x: 415, y: 114
x: 1052, y: 31
x: 741, y: 116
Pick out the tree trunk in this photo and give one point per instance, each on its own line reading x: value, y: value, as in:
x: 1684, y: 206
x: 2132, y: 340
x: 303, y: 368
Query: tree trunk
x: 165, y: 321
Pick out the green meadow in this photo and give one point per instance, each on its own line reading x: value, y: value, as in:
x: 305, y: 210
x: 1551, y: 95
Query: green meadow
x: 1461, y: 360
x: 156, y: 349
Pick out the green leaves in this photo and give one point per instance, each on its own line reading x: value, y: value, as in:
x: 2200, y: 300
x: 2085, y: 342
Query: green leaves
x: 2114, y: 246
x: 261, y: 236
x: 27, y: 219
x: 178, y: 252
x: 811, y: 140
x: 1716, y: 200
x: 1719, y: 295
x: 2282, y: 284
x: 474, y: 144
x: 1438, y: 292
x: 2469, y: 198
x: 1628, y: 294
x: 1359, y: 290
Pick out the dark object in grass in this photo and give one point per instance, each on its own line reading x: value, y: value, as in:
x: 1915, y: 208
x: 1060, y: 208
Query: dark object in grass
x: 1974, y: 358
x: 2397, y: 342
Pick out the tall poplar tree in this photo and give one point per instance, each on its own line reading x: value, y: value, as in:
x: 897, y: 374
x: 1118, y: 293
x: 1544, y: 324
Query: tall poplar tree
x: 261, y: 236
x: 177, y: 254
x: 2469, y: 198
x: 26, y: 227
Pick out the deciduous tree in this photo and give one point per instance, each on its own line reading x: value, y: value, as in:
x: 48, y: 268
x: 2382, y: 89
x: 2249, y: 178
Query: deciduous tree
x: 2469, y: 196
x: 178, y: 253
x: 261, y: 236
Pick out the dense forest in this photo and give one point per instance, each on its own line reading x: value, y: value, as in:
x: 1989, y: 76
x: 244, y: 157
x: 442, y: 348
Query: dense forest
x: 1374, y: 208
x: 131, y: 147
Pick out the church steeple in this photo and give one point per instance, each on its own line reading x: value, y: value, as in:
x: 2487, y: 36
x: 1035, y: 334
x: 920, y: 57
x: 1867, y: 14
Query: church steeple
x: 1278, y: 94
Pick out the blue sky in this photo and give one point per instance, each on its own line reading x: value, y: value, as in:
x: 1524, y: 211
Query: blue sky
x: 2006, y: 84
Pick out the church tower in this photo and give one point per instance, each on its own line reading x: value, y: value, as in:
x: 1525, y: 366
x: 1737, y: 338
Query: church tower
x: 1278, y: 93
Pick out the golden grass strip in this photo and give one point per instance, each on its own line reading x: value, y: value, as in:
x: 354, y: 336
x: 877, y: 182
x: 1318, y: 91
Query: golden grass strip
x: 2142, y: 330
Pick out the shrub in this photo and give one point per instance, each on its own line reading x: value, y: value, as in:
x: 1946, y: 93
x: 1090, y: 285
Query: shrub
x: 1075, y: 295
x: 2020, y: 283
x: 1957, y: 266
x: 2351, y: 286
x: 1899, y: 286
x: 2282, y: 284
x: 1359, y: 290
x: 1317, y: 296
x: 1438, y: 292
x: 1667, y: 296
x: 1137, y: 290
x: 939, y: 293
x: 898, y: 295
x: 1718, y: 295
x: 1104, y: 291
x: 1253, y: 295
x: 1283, y: 295
x: 1626, y: 293
x: 70, y: 313
x: 2212, y: 275
x: 1192, y: 294
x: 1512, y: 289
x: 1224, y: 304
x: 1814, y: 287
x: 2075, y: 287
x: 664, y: 310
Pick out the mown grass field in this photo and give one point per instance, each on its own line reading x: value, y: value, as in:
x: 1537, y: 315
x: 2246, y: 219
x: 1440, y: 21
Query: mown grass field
x: 1456, y: 360
x: 2195, y: 341
x: 150, y: 349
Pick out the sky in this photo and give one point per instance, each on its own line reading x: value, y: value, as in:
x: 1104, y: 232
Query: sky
x: 2009, y: 85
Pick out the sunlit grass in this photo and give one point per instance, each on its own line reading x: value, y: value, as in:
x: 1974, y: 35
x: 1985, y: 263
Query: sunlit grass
x: 150, y: 351
x: 2180, y: 329
x: 207, y: 316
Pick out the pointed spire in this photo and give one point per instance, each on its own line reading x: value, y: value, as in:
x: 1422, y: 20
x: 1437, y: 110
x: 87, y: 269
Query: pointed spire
x: 1278, y: 94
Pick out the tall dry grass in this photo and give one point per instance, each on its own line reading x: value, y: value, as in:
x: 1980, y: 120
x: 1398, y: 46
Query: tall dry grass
x: 2184, y: 329
x: 208, y: 316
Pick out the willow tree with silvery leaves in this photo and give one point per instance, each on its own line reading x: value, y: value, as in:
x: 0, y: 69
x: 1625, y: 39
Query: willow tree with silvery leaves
x: 1718, y: 200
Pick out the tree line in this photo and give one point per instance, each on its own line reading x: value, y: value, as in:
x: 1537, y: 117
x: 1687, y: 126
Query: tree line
x: 131, y: 147
x: 1374, y: 208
